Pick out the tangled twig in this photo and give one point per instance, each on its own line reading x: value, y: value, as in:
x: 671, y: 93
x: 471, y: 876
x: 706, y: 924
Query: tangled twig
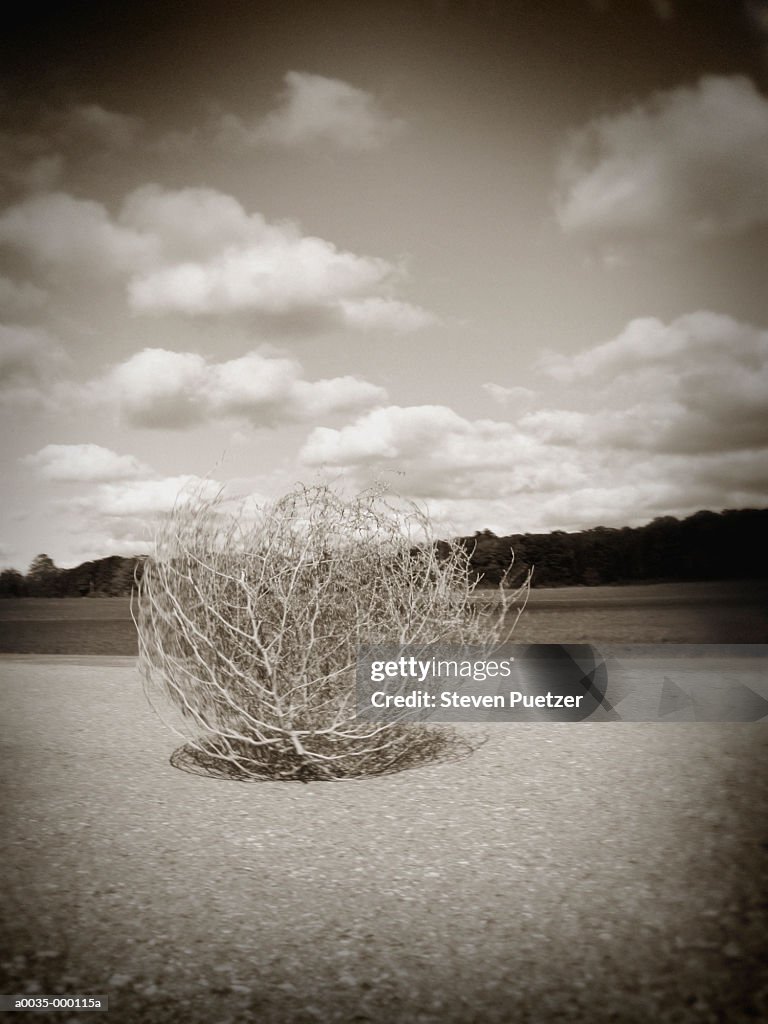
x: 250, y: 625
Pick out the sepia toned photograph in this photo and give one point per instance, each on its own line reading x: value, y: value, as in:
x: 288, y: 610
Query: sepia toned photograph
x: 362, y: 361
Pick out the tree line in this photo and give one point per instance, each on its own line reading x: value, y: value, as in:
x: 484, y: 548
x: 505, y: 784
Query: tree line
x: 705, y: 546
x: 105, y: 577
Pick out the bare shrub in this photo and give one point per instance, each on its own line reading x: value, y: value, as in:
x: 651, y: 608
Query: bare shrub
x: 250, y: 625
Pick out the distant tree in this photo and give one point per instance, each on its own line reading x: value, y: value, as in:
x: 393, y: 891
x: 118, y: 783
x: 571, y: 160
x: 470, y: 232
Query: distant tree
x: 705, y: 546
x: 112, y: 576
x: 491, y: 557
x: 12, y: 583
x: 41, y: 564
x: 558, y: 569
x: 43, y: 577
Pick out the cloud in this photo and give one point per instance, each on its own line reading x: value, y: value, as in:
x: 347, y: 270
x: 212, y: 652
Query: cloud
x: 20, y: 296
x: 691, y: 162
x: 157, y: 388
x: 58, y: 142
x: 120, y: 499
x: 438, y: 452
x: 194, y: 223
x: 100, y: 543
x: 518, y: 397
x: 120, y: 516
x: 376, y: 313
x: 319, y: 399
x: 471, y: 473
x: 698, y: 384
x: 313, y: 109
x: 94, y: 124
x: 28, y: 164
x: 30, y: 360
x: 215, y: 258
x: 278, y: 274
x: 84, y: 463
x: 197, y: 251
x: 57, y: 229
x: 135, y: 499
x: 663, y: 419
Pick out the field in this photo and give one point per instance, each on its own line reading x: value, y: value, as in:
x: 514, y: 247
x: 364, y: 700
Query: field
x: 730, y: 612
x: 67, y: 626
x: 599, y: 873
x: 705, y: 613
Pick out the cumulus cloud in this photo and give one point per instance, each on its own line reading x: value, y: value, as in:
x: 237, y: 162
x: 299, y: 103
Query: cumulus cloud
x: 100, y: 543
x: 312, y: 109
x: 120, y: 497
x: 377, y: 313
x: 472, y: 473
x: 194, y: 223
x: 132, y: 499
x: 197, y: 251
x: 84, y: 463
x: 665, y: 418
x: 157, y: 388
x: 698, y: 384
x: 689, y: 162
x: 241, y: 262
x: 55, y: 228
x: 120, y: 516
x: 276, y: 275
x: 438, y: 452
x: 216, y: 258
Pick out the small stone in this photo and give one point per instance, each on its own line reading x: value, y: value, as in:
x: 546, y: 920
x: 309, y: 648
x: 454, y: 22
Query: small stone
x: 732, y: 950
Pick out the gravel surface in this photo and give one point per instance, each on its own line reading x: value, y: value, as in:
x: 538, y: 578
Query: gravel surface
x: 603, y: 872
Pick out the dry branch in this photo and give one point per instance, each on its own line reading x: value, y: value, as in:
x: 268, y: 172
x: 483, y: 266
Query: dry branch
x: 250, y: 627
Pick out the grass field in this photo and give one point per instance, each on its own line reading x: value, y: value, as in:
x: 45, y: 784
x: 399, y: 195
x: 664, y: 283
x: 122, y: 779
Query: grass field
x: 728, y: 612
x: 67, y: 626
x: 697, y: 613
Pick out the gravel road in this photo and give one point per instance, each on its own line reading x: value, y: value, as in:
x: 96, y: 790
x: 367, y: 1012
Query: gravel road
x: 603, y: 872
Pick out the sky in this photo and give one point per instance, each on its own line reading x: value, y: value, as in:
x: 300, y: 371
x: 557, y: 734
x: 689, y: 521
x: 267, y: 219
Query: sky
x: 505, y: 259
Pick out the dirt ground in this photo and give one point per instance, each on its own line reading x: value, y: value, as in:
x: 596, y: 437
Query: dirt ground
x: 599, y: 872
